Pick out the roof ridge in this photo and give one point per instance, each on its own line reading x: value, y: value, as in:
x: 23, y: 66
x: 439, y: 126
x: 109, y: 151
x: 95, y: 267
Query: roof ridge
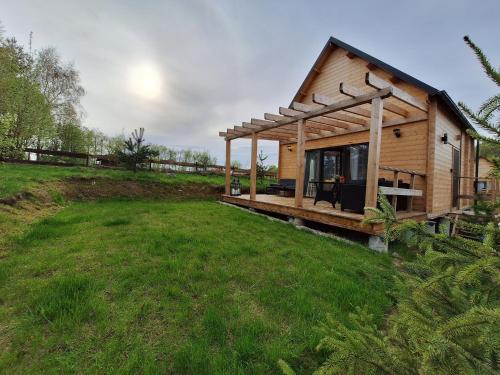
x: 432, y: 91
x: 384, y: 66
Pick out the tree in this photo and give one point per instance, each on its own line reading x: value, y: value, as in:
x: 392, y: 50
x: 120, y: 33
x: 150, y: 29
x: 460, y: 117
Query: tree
x: 7, y: 144
x: 21, y: 99
x: 487, y: 117
x: 235, y: 164
x: 135, y: 151
x: 204, y: 159
x: 59, y: 82
x: 447, y: 319
x: 261, y: 168
x: 386, y: 215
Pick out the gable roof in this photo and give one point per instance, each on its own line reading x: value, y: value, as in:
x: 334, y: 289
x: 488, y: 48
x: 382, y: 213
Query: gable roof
x: 441, y: 95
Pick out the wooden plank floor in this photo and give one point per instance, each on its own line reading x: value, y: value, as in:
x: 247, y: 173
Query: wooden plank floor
x: 323, y: 212
x: 308, y: 204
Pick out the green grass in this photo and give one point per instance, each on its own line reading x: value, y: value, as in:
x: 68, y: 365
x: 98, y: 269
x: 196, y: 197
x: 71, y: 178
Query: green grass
x: 15, y: 178
x: 184, y: 287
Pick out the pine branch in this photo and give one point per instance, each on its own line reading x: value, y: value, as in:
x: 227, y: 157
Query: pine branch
x: 489, y: 107
x: 479, y: 120
x: 493, y: 73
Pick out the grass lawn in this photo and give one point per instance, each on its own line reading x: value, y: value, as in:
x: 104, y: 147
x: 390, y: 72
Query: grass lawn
x: 186, y: 287
x: 18, y: 177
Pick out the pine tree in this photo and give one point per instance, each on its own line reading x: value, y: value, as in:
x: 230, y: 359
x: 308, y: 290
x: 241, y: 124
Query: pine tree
x: 386, y: 215
x: 135, y: 152
x: 488, y: 116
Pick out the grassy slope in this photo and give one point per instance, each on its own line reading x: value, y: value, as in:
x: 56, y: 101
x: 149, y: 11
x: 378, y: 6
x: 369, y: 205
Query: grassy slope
x: 176, y: 287
x: 18, y: 177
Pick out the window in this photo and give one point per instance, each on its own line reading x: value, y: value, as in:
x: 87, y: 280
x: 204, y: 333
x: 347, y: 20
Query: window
x: 356, y: 162
x: 331, y: 164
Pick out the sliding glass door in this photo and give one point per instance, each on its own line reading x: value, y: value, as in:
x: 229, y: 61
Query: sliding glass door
x: 331, y: 164
x: 312, y: 171
x: 355, y: 162
x: 327, y: 164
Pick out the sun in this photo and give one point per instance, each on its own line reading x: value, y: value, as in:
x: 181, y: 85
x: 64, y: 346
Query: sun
x: 146, y: 81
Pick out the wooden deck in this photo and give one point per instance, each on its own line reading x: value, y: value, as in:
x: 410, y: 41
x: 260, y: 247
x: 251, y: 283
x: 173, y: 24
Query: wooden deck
x: 323, y: 212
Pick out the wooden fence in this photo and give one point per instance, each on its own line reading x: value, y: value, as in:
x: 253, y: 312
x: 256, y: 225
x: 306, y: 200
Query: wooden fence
x: 111, y: 161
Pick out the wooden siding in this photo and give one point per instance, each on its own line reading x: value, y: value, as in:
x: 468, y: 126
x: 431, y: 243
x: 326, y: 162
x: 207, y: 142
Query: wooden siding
x: 408, y: 152
x: 338, y: 67
x: 484, y: 167
x: 443, y: 153
x: 468, y: 169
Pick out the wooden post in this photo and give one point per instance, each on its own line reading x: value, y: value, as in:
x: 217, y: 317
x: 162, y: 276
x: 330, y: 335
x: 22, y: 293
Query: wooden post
x: 374, y: 153
x: 253, y: 168
x: 228, y: 167
x: 410, y: 199
x: 395, y: 184
x: 431, y: 156
x: 299, y: 178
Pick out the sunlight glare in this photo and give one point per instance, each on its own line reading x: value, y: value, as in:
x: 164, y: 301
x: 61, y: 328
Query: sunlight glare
x: 145, y: 80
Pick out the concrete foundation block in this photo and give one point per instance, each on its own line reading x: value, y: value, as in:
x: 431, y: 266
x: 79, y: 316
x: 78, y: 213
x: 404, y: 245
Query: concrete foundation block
x: 376, y: 243
x: 297, y: 221
x: 444, y: 226
x: 407, y: 235
x: 431, y: 227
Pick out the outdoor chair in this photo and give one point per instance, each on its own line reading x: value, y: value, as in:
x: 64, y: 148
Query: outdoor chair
x: 286, y: 185
x: 327, y: 191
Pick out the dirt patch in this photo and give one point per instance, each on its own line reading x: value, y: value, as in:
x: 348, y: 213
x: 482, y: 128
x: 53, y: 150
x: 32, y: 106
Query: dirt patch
x: 11, y: 201
x: 100, y: 188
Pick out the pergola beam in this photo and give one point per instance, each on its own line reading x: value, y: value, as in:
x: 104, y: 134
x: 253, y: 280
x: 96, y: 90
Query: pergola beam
x: 310, y: 126
x: 326, y: 100
x: 352, y: 91
x: 257, y: 124
x: 336, y: 116
x: 282, y: 134
x: 394, y: 122
x: 339, y: 106
x: 323, y: 120
x: 233, y: 134
x: 378, y: 83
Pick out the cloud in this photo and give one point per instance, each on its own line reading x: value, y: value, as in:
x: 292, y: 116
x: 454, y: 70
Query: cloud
x: 224, y: 62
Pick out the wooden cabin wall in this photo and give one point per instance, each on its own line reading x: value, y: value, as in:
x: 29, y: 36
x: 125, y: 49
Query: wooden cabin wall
x: 408, y: 152
x: 338, y: 67
x: 485, y: 167
x: 443, y: 176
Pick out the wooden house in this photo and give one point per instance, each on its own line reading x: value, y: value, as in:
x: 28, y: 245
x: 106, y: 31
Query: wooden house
x: 356, y: 118
x: 487, y: 186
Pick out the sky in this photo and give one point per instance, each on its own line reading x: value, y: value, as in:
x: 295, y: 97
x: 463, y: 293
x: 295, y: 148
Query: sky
x: 185, y: 70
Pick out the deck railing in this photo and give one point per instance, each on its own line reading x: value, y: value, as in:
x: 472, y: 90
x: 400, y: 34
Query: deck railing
x: 396, y: 191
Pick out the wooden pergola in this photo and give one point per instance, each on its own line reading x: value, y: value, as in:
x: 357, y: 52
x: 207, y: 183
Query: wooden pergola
x: 382, y: 106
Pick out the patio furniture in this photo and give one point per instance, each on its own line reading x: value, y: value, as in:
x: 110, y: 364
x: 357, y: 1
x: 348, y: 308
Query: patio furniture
x: 352, y: 195
x: 326, y: 191
x: 284, y: 185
